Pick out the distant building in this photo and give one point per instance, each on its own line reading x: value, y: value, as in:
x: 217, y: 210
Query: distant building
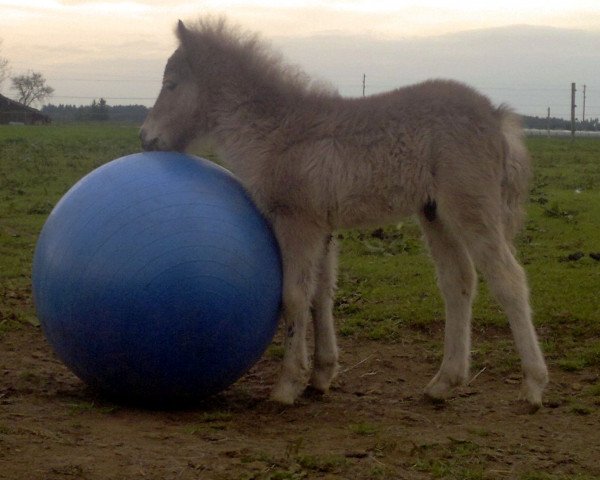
x: 15, y: 112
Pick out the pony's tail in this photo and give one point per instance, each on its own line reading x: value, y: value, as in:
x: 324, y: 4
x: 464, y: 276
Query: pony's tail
x: 517, y: 172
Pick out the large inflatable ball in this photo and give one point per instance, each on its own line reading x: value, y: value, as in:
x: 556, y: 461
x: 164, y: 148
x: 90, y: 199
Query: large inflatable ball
x: 156, y: 279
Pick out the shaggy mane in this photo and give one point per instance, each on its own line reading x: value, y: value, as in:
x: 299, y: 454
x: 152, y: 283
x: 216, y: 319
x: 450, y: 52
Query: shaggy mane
x: 254, y: 55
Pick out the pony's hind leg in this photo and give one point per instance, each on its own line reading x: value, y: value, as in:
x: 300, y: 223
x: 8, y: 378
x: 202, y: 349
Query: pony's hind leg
x: 301, y: 246
x: 508, y: 283
x: 326, y: 351
x: 457, y: 280
x: 481, y: 230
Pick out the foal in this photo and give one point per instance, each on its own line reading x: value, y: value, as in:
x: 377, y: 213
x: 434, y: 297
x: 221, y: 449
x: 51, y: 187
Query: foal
x: 315, y: 162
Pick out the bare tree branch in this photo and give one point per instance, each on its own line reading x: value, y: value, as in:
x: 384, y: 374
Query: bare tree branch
x: 4, y: 70
x: 31, y: 88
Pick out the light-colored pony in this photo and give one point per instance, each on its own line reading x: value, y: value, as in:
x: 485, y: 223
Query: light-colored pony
x: 315, y: 162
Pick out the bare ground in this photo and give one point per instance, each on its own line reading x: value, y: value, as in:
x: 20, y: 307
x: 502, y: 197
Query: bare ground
x: 373, y: 424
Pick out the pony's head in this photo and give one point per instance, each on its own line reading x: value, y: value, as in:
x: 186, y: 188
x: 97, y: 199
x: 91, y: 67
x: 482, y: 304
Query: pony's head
x: 220, y: 76
x: 182, y: 110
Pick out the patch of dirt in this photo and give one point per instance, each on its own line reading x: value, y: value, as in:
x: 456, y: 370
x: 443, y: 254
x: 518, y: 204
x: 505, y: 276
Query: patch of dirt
x: 373, y: 424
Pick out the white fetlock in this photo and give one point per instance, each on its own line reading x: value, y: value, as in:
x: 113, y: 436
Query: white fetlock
x: 533, y: 388
x: 440, y: 387
x: 322, y: 376
x: 286, y: 392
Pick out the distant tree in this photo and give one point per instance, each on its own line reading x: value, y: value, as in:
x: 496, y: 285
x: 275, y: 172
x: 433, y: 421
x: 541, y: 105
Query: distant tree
x: 117, y: 113
x: 99, y: 110
x: 128, y: 113
x: 31, y: 88
x: 102, y: 106
x: 4, y: 71
x: 542, y: 123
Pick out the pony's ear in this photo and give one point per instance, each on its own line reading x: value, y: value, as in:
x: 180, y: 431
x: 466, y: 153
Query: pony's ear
x: 181, y: 28
x: 182, y: 33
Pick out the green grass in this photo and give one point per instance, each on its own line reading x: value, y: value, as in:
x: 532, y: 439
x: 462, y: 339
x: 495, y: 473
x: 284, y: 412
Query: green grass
x: 564, y: 221
x: 37, y: 166
x: 457, y: 459
x: 364, y: 429
x: 387, y: 283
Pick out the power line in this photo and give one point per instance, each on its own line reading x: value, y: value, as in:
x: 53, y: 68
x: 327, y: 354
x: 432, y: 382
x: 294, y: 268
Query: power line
x: 74, y: 97
x: 108, y: 80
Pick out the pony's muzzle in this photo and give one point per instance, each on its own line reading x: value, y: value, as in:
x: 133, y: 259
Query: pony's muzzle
x: 149, y: 143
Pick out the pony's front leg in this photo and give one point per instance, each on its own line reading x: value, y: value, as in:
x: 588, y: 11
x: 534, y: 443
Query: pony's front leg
x: 326, y: 352
x: 300, y: 246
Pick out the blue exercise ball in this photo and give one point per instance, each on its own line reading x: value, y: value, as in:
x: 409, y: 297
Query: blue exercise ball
x: 156, y: 279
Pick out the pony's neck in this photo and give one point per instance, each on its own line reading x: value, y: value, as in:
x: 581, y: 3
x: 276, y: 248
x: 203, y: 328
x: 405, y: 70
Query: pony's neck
x: 255, y: 115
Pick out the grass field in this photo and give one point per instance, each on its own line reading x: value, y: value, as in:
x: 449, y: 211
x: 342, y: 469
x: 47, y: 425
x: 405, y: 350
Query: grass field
x: 386, y: 280
x: 387, y: 297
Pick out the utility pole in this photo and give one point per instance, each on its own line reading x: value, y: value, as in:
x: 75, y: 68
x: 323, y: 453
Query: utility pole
x: 573, y: 90
x: 364, y: 83
x: 583, y: 111
x: 548, y: 123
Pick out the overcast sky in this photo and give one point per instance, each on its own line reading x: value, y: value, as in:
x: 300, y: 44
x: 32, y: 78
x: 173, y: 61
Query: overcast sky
x: 522, y: 52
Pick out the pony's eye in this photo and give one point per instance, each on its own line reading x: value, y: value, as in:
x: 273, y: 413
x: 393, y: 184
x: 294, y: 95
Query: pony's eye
x: 170, y: 85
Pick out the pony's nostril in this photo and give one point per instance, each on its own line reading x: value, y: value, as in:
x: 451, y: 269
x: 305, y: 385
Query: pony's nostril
x: 148, y: 144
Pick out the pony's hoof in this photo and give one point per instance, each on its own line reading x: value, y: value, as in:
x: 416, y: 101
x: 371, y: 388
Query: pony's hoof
x: 437, y: 393
x: 530, y: 398
x: 321, y: 378
x: 442, y: 385
x: 313, y: 393
x: 437, y: 402
x: 533, y: 388
x: 286, y: 393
